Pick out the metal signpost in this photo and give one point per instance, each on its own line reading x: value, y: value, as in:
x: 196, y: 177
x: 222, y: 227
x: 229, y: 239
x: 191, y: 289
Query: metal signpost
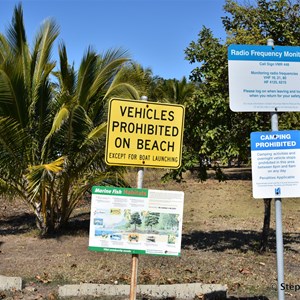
x: 266, y: 79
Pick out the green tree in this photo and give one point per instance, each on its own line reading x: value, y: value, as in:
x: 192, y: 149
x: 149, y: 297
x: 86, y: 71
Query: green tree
x: 211, y: 128
x: 256, y: 21
x: 152, y: 219
x: 176, y: 91
x: 52, y: 135
x: 280, y: 21
x: 170, y: 221
x: 139, y: 77
x: 136, y: 220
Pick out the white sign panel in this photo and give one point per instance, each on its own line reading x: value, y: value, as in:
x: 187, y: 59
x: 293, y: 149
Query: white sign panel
x: 136, y: 221
x: 264, y: 78
x: 275, y: 160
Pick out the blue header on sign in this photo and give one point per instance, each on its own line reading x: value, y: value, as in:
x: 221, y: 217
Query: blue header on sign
x: 275, y: 140
x: 263, y: 53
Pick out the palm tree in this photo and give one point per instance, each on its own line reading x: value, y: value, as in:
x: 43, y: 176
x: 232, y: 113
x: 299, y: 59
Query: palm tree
x: 51, y: 135
x: 177, y: 91
x: 25, y: 104
x: 139, y: 77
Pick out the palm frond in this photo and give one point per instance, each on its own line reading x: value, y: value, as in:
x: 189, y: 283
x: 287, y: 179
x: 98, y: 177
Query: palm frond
x: 79, y: 126
x: 39, y: 175
x: 122, y: 90
x: 97, y: 132
x: 13, y: 94
x: 16, y: 32
x: 6, y: 91
x: 67, y: 76
x: 61, y: 117
x: 86, y: 75
x: 18, y: 41
x: 59, y: 120
x: 55, y: 166
x: 41, y: 66
x: 4, y: 48
x: 12, y: 144
x: 108, y: 66
x: 47, y: 35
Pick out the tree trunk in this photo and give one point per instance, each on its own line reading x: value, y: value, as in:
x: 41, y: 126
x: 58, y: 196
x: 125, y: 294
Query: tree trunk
x: 43, y: 219
x: 266, y: 227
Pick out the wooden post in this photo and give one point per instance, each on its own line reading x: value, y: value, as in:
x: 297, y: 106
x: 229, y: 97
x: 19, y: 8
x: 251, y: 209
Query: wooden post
x: 134, y: 270
x: 135, y: 257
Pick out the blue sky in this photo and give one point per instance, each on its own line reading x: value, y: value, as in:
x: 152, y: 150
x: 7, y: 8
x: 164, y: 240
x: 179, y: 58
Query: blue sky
x: 154, y: 32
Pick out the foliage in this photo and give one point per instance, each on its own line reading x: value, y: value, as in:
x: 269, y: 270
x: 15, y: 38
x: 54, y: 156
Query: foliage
x: 138, y: 77
x: 152, y: 219
x: 52, y: 134
x: 135, y: 220
x: 188, y: 162
x: 219, y: 132
x: 170, y: 221
x: 212, y: 129
x: 176, y: 91
x: 255, y: 23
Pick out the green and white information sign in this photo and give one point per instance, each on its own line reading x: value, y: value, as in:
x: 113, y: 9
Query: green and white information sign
x: 136, y: 221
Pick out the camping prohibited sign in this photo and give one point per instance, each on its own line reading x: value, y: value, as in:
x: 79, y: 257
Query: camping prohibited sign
x: 275, y: 164
x: 145, y: 134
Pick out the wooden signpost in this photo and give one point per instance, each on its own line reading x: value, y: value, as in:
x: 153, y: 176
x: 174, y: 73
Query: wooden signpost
x: 139, y: 134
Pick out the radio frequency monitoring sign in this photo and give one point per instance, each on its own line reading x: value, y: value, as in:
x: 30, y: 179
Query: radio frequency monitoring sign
x: 264, y: 78
x: 275, y: 158
x: 147, y: 134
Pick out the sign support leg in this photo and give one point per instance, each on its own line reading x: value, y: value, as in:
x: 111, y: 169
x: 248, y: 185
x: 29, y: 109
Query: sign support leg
x: 279, y: 249
x: 134, y: 270
x: 279, y: 235
x: 278, y: 216
x: 135, y: 257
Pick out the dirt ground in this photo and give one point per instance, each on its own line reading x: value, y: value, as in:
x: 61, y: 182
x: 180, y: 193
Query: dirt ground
x: 221, y: 233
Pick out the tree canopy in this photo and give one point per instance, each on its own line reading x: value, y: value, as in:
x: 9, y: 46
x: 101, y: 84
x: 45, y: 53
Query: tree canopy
x: 212, y: 129
x: 52, y: 130
x: 219, y: 132
x: 52, y: 134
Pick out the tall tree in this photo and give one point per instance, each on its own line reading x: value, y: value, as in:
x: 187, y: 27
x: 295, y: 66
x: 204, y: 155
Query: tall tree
x: 152, y: 219
x: 214, y: 130
x: 176, y: 91
x: 275, y: 19
x: 136, y: 220
x: 52, y: 136
x: 219, y: 133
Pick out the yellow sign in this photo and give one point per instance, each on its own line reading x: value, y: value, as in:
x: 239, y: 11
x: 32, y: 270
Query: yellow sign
x: 141, y: 133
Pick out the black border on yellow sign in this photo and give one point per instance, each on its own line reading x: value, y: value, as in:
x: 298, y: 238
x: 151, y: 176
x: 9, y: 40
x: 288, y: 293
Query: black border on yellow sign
x: 148, y: 164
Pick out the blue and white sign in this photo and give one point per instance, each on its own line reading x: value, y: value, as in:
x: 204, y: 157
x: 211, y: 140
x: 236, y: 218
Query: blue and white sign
x: 275, y: 157
x: 264, y: 78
